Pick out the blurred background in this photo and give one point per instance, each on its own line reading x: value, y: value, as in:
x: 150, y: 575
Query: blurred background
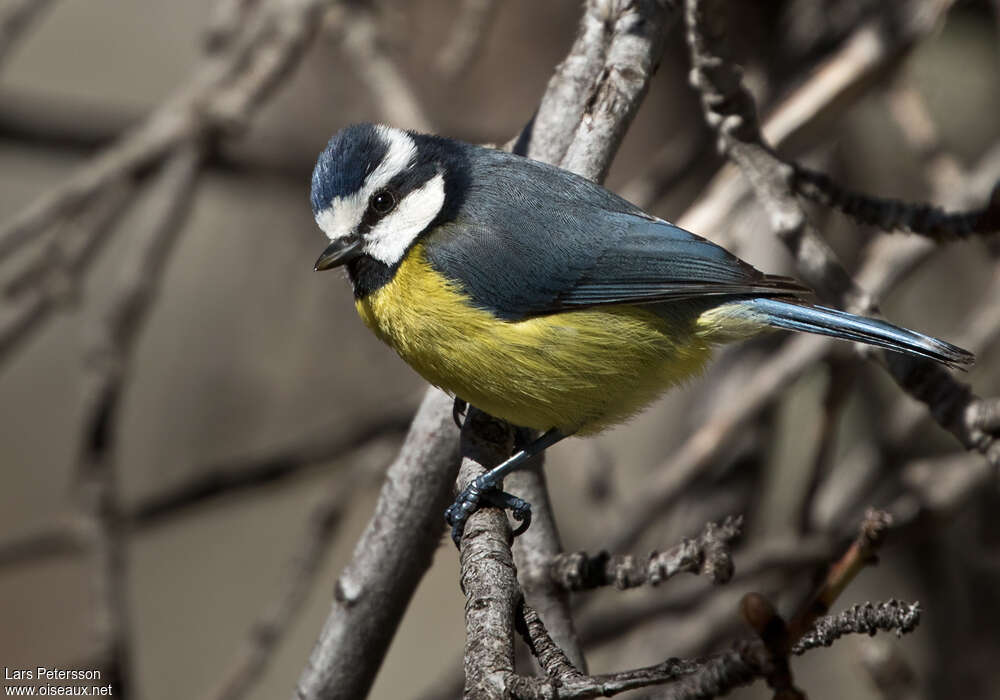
x: 248, y: 392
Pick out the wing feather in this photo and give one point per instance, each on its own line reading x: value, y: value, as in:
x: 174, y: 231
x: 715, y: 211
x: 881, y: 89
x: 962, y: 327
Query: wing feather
x: 557, y: 242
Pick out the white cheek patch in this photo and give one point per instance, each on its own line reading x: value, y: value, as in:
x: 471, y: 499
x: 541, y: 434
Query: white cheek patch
x: 389, y: 239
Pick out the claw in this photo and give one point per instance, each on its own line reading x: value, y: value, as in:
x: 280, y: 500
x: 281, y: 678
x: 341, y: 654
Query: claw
x: 475, y: 495
x: 524, y: 516
x: 488, y: 486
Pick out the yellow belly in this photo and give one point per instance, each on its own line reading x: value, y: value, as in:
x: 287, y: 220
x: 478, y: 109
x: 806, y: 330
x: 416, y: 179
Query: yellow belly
x: 579, y: 371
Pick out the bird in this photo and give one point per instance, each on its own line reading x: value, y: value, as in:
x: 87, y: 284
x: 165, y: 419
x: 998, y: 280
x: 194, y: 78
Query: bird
x: 538, y: 296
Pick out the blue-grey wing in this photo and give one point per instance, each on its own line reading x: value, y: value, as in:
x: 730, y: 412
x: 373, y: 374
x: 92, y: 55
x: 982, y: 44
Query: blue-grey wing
x: 532, y: 240
x: 655, y: 261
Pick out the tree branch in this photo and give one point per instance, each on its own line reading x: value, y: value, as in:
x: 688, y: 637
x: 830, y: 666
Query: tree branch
x: 389, y: 559
x: 108, y: 356
x: 220, y: 99
x: 275, y: 621
x: 708, y: 554
x: 730, y: 109
x: 867, y: 618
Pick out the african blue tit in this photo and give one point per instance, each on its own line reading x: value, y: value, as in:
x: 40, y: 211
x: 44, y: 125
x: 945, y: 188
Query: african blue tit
x: 538, y: 296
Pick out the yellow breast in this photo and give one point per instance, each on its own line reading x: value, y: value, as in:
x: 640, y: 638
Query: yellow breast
x: 579, y: 371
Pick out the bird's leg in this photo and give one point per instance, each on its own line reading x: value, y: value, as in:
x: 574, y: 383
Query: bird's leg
x: 486, y: 488
x: 458, y: 411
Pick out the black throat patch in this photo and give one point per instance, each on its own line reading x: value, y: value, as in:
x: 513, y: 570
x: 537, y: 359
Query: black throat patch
x: 436, y: 155
x: 368, y: 275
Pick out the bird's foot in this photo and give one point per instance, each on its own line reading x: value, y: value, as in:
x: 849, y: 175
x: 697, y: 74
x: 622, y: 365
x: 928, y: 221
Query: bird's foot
x: 482, y: 492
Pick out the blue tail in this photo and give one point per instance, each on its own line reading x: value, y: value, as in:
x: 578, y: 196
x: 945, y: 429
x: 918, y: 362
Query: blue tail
x: 840, y: 324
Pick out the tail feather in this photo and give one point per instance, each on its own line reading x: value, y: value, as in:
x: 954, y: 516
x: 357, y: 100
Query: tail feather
x: 840, y: 324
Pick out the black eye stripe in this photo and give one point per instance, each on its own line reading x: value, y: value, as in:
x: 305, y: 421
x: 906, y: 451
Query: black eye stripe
x: 397, y: 188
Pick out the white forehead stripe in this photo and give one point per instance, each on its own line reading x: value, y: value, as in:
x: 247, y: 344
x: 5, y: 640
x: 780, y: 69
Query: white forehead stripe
x: 400, y: 153
x: 344, y: 214
x: 389, y: 238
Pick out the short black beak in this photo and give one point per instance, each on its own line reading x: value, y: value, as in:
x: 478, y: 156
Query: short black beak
x: 341, y: 251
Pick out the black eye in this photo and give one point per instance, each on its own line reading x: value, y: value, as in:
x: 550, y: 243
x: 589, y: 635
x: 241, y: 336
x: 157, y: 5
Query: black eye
x: 382, y: 202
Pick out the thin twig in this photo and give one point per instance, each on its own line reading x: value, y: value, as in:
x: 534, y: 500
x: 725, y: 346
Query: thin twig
x: 221, y: 97
x: 663, y: 487
x: 860, y: 554
x: 108, y: 356
x: 886, y: 214
x: 867, y: 618
x: 275, y: 621
x: 784, y: 558
x: 730, y: 108
x: 50, y: 542
x: 532, y: 550
x: 237, y: 475
x: 51, y: 279
x: 836, y: 85
x: 708, y: 554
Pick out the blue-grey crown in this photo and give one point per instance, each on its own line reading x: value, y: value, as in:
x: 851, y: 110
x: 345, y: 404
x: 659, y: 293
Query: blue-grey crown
x: 347, y: 160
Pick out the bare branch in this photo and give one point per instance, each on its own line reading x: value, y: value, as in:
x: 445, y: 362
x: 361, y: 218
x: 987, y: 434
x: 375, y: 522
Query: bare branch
x: 894, y: 215
x: 533, y: 550
x: 564, y: 681
x: 549, y: 654
x: 108, y: 354
x: 276, y: 620
x: 729, y: 108
x: 50, y: 542
x: 708, y: 554
x: 552, y: 129
x: 663, y: 487
x: 233, y: 476
x: 595, y: 92
x: 51, y: 280
x: 873, y: 50
x: 638, y: 33
x: 867, y: 618
x: 489, y: 581
x: 756, y: 565
x: 716, y: 675
x: 389, y: 559
x: 221, y: 98
x: 860, y: 554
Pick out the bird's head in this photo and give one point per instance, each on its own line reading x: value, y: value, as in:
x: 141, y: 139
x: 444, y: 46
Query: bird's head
x: 374, y: 192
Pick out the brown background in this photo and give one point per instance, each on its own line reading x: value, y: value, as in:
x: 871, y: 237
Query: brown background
x: 248, y: 350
